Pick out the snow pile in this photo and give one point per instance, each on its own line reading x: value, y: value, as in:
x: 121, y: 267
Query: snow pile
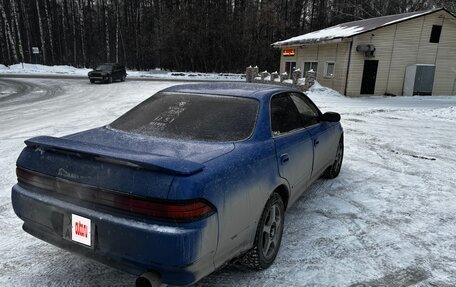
x: 301, y: 81
x: 318, y: 90
x: 43, y: 69
x: 160, y: 74
x: 152, y: 74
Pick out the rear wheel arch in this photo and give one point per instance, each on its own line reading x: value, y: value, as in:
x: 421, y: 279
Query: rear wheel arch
x: 282, y: 190
x: 268, y: 235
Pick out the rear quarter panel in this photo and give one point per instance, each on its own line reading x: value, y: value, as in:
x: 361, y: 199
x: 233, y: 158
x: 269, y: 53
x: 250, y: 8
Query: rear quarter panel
x: 238, y: 184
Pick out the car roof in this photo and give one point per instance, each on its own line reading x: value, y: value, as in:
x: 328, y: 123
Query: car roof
x: 238, y: 89
x: 112, y: 64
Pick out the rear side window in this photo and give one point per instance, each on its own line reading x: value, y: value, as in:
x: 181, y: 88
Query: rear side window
x: 104, y: 67
x: 195, y: 117
x: 284, y: 115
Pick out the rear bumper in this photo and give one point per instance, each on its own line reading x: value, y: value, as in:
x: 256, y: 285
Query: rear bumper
x: 181, y: 253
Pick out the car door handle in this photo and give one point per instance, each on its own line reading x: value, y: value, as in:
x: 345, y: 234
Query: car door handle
x: 316, y: 142
x: 284, y: 158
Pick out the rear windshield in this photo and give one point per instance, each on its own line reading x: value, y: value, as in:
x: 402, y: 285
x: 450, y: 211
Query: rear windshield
x: 104, y: 68
x: 195, y: 117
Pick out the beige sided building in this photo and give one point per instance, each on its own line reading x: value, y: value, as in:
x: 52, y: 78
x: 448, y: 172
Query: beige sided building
x: 406, y: 54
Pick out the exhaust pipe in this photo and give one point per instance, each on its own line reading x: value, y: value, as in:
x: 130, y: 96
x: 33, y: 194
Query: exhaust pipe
x: 149, y: 279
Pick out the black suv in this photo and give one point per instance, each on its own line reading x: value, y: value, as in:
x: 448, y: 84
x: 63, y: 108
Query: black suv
x: 108, y: 73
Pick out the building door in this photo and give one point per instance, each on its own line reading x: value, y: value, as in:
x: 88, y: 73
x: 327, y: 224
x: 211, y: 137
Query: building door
x: 369, y: 77
x: 289, y: 68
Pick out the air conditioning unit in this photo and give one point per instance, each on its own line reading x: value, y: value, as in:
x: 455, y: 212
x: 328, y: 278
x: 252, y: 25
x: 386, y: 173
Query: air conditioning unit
x: 419, y: 80
x: 367, y: 49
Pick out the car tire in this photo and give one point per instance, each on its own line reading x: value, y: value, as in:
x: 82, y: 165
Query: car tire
x: 92, y: 81
x: 110, y: 80
x: 334, y: 170
x: 122, y: 79
x: 268, y: 235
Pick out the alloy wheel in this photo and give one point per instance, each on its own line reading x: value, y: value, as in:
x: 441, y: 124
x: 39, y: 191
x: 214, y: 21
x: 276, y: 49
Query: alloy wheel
x: 272, y: 230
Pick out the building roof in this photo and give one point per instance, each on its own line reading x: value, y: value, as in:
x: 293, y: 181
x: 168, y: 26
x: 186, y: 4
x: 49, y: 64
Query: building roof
x: 350, y: 29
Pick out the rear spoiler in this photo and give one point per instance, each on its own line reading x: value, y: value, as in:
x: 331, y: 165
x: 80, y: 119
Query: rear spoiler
x: 155, y: 162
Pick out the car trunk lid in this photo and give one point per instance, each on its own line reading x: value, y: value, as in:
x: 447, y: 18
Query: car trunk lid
x: 154, y: 162
x: 108, y: 160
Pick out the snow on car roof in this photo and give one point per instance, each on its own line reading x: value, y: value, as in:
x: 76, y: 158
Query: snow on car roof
x: 229, y: 89
x: 351, y: 29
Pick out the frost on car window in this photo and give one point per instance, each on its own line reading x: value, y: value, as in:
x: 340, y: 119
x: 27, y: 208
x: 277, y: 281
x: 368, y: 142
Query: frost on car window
x: 196, y: 117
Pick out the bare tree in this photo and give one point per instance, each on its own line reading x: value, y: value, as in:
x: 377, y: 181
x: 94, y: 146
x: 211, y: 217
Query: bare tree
x: 64, y: 31
x: 80, y: 7
x: 18, y: 30
x: 42, y: 37
x: 27, y: 30
x: 117, y: 32
x: 8, y: 34
x: 73, y: 18
x: 49, y: 26
x: 106, y: 18
x: 3, y: 49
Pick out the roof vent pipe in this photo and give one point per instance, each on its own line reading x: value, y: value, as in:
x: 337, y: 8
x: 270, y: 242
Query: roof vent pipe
x: 367, y: 49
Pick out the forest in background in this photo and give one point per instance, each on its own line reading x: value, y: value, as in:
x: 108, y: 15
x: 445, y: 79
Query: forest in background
x: 179, y: 35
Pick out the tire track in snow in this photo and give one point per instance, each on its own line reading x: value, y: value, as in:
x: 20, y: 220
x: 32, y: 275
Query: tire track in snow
x: 20, y: 92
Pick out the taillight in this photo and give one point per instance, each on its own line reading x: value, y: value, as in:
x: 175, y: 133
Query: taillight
x: 173, y: 210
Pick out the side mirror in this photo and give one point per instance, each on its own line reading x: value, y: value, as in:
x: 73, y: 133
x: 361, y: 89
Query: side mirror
x: 330, y: 117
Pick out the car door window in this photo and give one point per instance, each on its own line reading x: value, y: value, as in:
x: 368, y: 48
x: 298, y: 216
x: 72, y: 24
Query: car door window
x: 307, y: 111
x: 284, y: 115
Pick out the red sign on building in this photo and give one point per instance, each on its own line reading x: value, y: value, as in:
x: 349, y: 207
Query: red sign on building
x: 289, y: 52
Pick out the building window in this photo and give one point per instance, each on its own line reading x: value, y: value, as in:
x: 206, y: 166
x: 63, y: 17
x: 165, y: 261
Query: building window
x: 307, y: 66
x: 330, y: 68
x: 289, y: 68
x: 435, y: 34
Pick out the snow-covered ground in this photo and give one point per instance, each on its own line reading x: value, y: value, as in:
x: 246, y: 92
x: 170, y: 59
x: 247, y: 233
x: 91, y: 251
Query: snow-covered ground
x: 389, y: 219
x: 36, y: 69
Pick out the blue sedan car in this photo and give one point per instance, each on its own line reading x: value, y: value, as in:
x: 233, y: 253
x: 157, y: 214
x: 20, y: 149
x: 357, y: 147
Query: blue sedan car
x: 192, y: 178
